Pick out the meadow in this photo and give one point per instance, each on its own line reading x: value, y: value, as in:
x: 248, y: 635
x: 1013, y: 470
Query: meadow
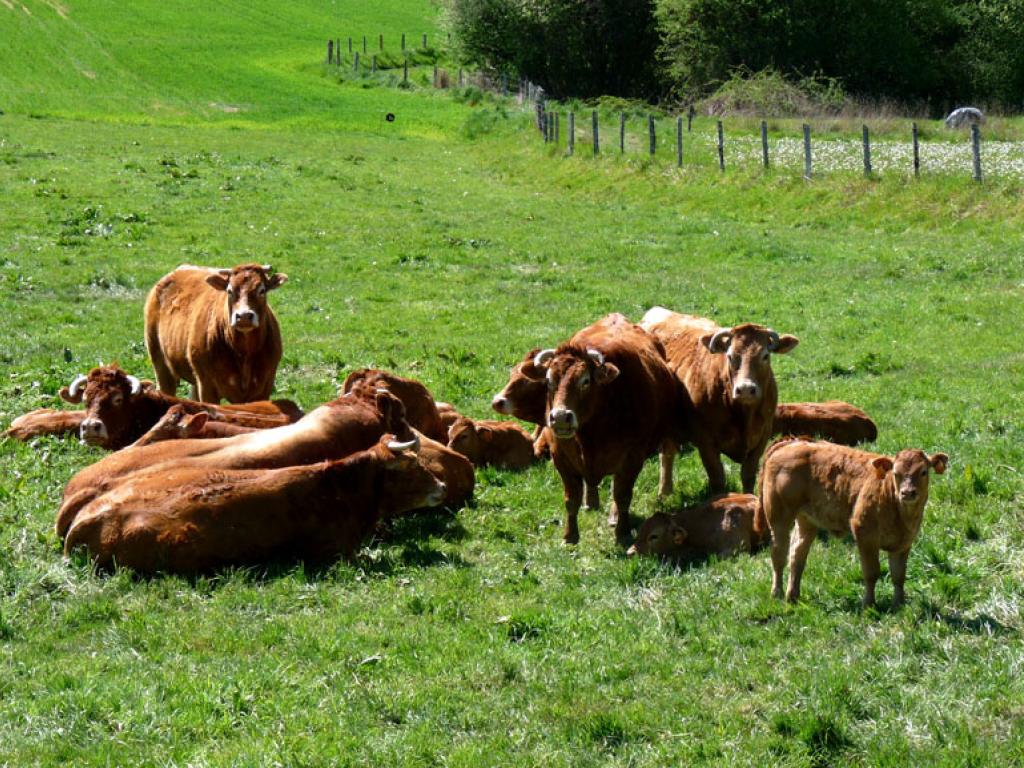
x: 443, y: 246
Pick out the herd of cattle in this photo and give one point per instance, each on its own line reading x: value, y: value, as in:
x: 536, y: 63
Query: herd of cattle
x: 193, y: 484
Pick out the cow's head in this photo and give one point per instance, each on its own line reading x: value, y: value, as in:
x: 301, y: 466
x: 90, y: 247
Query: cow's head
x: 176, y: 424
x: 909, y: 473
x: 109, y: 395
x: 464, y: 437
x: 574, y: 378
x: 246, y: 287
x: 403, y: 482
x: 525, y: 394
x: 659, y: 535
x: 748, y: 350
x: 391, y: 409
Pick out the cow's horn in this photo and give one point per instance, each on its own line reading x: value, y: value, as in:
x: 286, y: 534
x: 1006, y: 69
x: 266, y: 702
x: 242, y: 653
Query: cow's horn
x: 266, y: 267
x: 725, y: 334
x: 136, y: 385
x: 773, y: 343
x: 542, y: 357
x: 396, y: 447
x: 75, y: 386
x: 383, y: 391
x: 596, y: 356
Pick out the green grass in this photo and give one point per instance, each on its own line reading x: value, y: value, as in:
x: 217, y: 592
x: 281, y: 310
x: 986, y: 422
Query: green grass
x: 443, y: 246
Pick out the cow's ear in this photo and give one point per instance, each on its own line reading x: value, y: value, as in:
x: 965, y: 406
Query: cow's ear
x: 193, y: 424
x: 787, y: 343
x: 716, y: 343
x: 485, y: 434
x: 276, y: 280
x: 219, y: 279
x: 678, y: 534
x: 606, y: 373
x: 882, y: 465
x: 939, y: 462
x: 532, y: 371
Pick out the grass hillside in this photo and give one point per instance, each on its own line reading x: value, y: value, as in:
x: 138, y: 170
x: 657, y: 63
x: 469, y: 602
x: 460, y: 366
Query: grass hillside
x: 443, y: 246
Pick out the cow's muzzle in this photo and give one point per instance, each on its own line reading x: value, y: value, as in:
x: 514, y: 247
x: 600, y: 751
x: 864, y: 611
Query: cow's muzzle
x: 244, y: 320
x: 563, y: 422
x: 93, y: 432
x: 746, y: 391
x: 502, y: 404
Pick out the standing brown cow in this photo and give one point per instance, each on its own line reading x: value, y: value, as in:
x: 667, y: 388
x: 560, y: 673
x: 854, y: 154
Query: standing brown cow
x: 192, y: 519
x: 214, y: 329
x: 729, y: 390
x: 610, y: 404
x: 879, y: 499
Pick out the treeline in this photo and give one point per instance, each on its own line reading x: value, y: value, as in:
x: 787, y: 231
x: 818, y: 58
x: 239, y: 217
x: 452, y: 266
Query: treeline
x: 933, y: 52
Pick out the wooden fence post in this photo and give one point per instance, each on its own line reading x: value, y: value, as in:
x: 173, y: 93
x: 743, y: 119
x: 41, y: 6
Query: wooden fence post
x: 382, y: 42
x: 424, y: 40
x: 572, y: 132
x: 355, y: 62
x: 364, y: 45
x: 764, y: 142
x: 350, y: 46
x: 403, y: 41
x: 435, y: 75
x: 807, y: 151
x: 721, y: 147
x: 556, y: 128
x: 866, y: 138
x: 679, y: 141
x: 405, y: 71
x: 622, y: 132
x: 917, y: 154
x: 976, y: 150
x: 689, y: 119
x: 330, y: 51
x: 539, y: 108
x: 597, y: 141
x: 337, y: 51
x: 650, y: 132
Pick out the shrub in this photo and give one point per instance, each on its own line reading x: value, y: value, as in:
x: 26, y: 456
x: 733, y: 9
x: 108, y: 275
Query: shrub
x: 768, y: 94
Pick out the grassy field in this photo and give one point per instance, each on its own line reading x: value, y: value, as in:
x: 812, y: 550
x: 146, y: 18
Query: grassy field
x: 443, y: 246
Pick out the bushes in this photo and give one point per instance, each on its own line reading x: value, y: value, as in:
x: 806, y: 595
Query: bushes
x: 570, y: 47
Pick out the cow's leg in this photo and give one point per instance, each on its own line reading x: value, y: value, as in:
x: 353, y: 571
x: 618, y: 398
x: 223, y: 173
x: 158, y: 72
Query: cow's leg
x: 572, y: 486
x: 622, y: 496
x: 593, y: 495
x: 712, y: 461
x: 205, y: 391
x: 780, y: 551
x: 748, y: 470
x: 806, y: 531
x: 870, y: 568
x: 669, y: 449
x: 898, y: 574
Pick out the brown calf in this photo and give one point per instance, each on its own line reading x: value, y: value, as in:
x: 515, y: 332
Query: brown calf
x: 214, y: 329
x: 835, y: 421
x: 119, y: 408
x: 420, y: 409
x: 729, y: 390
x: 179, y: 424
x: 500, y: 443
x: 723, y: 526
x: 610, y: 404
x: 189, y: 520
x: 879, y: 499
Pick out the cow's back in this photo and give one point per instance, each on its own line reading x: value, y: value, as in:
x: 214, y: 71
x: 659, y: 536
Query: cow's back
x: 181, y: 310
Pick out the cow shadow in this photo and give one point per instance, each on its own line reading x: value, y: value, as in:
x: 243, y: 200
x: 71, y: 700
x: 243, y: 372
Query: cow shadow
x: 927, y: 610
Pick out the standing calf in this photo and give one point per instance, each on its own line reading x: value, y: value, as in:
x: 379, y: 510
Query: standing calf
x: 879, y: 499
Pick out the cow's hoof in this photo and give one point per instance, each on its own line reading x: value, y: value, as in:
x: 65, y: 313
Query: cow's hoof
x: 570, y: 539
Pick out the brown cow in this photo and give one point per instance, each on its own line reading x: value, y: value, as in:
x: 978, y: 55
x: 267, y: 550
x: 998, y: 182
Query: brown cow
x: 192, y: 519
x: 879, y: 499
x: 420, y: 409
x: 214, y: 329
x: 44, y: 421
x: 835, y: 421
x: 610, y: 403
x: 448, y: 415
x: 729, y: 390
x: 723, y: 526
x: 452, y: 468
x: 179, y: 424
x: 332, y: 431
x: 120, y: 408
x: 524, y: 396
x: 500, y: 443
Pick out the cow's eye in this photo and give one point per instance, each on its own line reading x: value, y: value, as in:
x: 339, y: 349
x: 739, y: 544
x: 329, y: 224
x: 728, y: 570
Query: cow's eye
x: 734, y: 361
x: 231, y: 292
x: 262, y: 290
x: 584, y: 382
x: 924, y: 473
x: 653, y: 537
x: 117, y: 399
x: 765, y: 355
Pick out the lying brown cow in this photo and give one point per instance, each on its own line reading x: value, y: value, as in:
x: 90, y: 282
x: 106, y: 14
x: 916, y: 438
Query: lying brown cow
x: 835, y: 421
x: 448, y: 415
x: 454, y: 469
x: 729, y: 388
x: 120, y: 408
x: 214, y: 329
x: 44, y: 421
x: 192, y: 519
x: 179, y: 424
x: 500, y: 443
x: 610, y: 403
x: 879, y: 499
x: 420, y: 409
x: 723, y: 527
x: 332, y: 431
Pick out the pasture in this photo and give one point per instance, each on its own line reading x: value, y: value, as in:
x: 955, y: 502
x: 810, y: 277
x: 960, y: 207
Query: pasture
x: 443, y: 246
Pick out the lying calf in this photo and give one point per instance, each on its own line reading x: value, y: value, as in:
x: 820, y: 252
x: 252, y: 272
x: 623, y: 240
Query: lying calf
x: 179, y: 424
x: 880, y: 499
x: 835, y: 421
x: 189, y: 520
x: 500, y: 443
x: 723, y: 527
